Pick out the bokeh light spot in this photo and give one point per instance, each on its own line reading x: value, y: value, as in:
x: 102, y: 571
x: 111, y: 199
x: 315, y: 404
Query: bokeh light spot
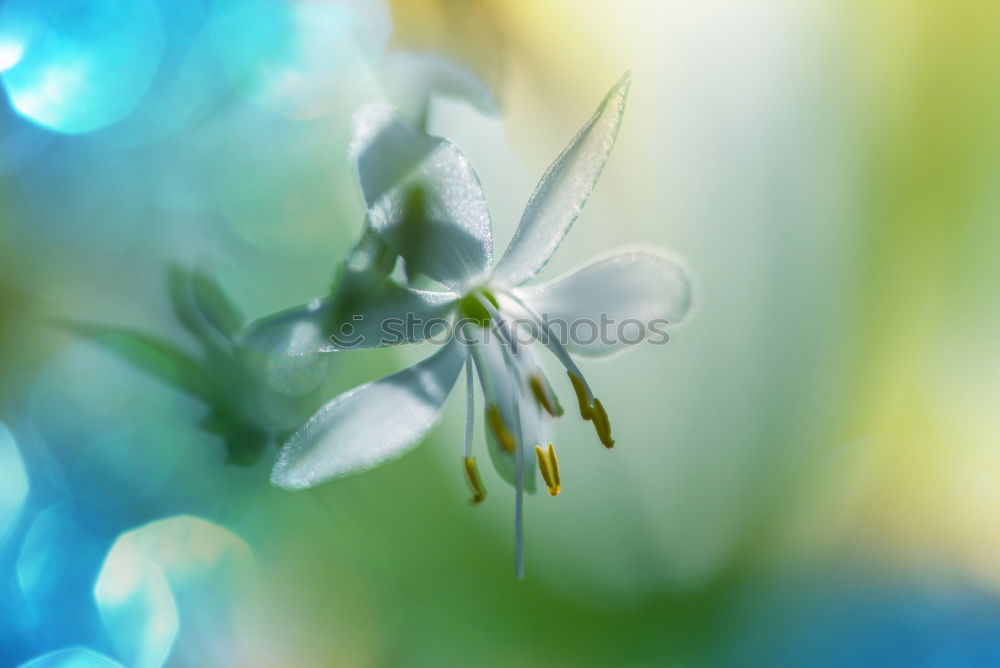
x: 57, y: 559
x: 307, y: 60
x: 10, y: 53
x: 21, y: 141
x: 13, y: 481
x: 82, y: 65
x: 177, y: 585
x: 72, y: 657
x: 189, y: 84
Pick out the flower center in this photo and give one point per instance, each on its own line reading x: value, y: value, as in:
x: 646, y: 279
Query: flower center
x: 470, y: 308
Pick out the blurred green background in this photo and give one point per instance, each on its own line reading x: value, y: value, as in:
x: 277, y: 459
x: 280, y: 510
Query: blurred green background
x: 809, y: 474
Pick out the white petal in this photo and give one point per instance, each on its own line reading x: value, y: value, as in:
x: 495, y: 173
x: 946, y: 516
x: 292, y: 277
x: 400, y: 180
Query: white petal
x: 355, y: 319
x: 628, y: 292
x: 412, y: 79
x: 424, y: 199
x: 562, y: 191
x: 536, y: 425
x: 370, y: 424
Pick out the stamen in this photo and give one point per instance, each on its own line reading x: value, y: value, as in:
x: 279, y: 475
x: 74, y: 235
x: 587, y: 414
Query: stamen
x: 543, y: 466
x: 495, y: 420
x: 509, y: 350
x: 470, y: 406
x: 475, y: 482
x: 518, y: 483
x: 586, y: 412
x: 544, y: 395
x: 580, y: 386
x: 549, y: 466
x: 554, y: 462
x: 591, y: 408
x: 602, y: 425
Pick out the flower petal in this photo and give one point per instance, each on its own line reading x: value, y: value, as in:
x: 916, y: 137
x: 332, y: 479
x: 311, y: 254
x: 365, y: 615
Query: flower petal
x: 411, y: 79
x: 370, y: 424
x: 357, y: 318
x: 536, y: 426
x: 424, y: 199
x: 600, y: 308
x: 562, y: 191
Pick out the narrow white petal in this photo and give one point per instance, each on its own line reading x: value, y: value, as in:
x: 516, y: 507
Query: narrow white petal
x: 470, y: 407
x: 604, y: 306
x: 562, y: 191
x: 374, y: 318
x: 424, y: 199
x: 370, y: 424
x: 536, y: 425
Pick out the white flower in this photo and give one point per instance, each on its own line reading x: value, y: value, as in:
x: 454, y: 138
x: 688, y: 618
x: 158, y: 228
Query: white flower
x: 425, y: 204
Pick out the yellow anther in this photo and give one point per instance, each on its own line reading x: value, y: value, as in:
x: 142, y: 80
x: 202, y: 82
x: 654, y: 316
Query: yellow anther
x: 472, y: 477
x: 602, y: 425
x: 586, y: 412
x: 549, y: 466
x: 543, y: 465
x: 554, y: 463
x: 544, y: 396
x: 499, y: 429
